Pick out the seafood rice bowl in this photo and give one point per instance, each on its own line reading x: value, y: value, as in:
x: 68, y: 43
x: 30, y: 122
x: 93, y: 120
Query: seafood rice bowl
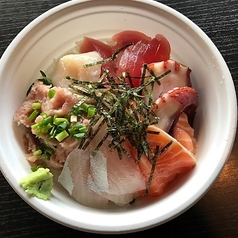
x: 116, y: 126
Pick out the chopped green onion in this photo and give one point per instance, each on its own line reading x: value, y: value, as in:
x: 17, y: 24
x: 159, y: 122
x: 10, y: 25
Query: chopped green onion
x: 77, y: 110
x: 57, y: 125
x: 47, y: 156
x: 45, y: 121
x: 59, y: 120
x: 81, y: 109
x: 36, y: 105
x: 62, y: 135
x: 37, y: 153
x: 79, y: 136
x: 78, y: 131
x: 53, y: 132
x: 43, y: 126
x: 46, y: 128
x: 62, y: 126
x: 73, y: 118
x: 35, y: 126
x: 43, y: 114
x: 46, y: 151
x: 78, y: 128
x: 91, y: 111
x: 33, y: 115
x: 51, y: 93
x: 85, y: 107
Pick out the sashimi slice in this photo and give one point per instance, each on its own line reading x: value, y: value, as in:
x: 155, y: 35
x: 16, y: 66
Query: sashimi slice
x: 131, y: 61
x: 174, y: 160
x: 73, y: 65
x: 75, y: 179
x: 159, y: 49
x: 103, y: 176
x: 143, y: 52
x: 105, y: 51
x: 184, y: 138
x: 117, y: 179
x: 89, y: 44
x: 184, y: 133
x: 126, y: 37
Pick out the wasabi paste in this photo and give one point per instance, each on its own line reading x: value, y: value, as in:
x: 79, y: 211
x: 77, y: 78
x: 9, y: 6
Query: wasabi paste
x: 38, y: 183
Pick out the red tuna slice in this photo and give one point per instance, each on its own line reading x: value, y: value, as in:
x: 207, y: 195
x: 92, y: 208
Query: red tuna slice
x: 171, y: 104
x: 143, y: 52
x: 179, y: 76
x: 159, y: 50
x: 124, y: 38
x: 174, y: 160
x: 89, y: 44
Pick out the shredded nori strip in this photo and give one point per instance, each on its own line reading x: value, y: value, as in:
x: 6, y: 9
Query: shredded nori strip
x: 123, y: 110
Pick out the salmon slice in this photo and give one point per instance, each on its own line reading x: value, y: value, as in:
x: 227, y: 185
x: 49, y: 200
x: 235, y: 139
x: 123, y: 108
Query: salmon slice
x: 184, y: 133
x: 159, y: 171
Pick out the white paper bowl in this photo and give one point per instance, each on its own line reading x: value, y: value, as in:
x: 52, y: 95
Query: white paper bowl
x: 53, y: 34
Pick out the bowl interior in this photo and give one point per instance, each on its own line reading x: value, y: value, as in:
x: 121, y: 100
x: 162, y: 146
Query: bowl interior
x: 54, y: 34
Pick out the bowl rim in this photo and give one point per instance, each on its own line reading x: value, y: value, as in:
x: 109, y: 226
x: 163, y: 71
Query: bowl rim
x: 168, y: 10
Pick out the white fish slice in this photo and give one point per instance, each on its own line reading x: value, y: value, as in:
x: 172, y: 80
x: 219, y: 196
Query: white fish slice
x: 118, y: 180
x: 74, y: 178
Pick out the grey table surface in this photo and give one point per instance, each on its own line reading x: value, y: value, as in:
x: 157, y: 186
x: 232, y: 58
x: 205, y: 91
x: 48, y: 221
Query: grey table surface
x: 216, y: 214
